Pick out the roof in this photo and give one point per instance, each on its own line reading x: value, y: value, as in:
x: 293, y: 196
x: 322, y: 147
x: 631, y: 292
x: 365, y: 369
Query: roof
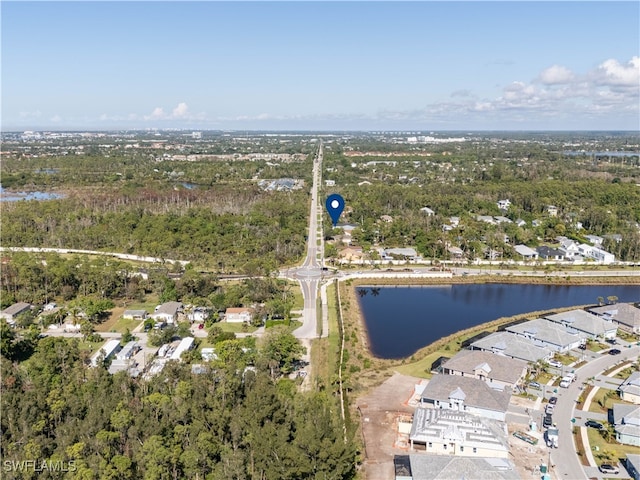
x: 509, y: 345
x: 525, y: 251
x: 627, y: 419
x: 404, y: 252
x: 434, y: 424
x: 631, y: 385
x: 501, y: 368
x: 624, y: 313
x: 546, y: 331
x: 583, y: 321
x: 170, y: 308
x: 634, y: 459
x: 474, y: 392
x: 547, y: 252
x: 134, y: 313
x: 16, y: 308
x: 441, y: 467
x: 238, y: 310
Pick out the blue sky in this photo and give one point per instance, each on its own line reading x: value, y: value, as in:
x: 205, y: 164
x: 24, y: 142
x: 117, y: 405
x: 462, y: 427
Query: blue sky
x: 321, y: 65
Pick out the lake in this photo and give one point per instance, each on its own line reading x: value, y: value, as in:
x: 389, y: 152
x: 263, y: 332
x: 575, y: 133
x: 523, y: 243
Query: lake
x: 401, y: 320
x: 6, y: 196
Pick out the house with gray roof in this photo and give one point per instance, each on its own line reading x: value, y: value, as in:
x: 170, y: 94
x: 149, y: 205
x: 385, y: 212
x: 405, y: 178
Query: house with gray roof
x: 167, y: 312
x: 629, y: 390
x: 626, y: 421
x: 512, y: 346
x: 526, y: 252
x: 632, y: 464
x: 466, y: 394
x: 545, y: 333
x: 549, y: 253
x: 579, y: 321
x: 439, y: 467
x: 452, y: 433
x: 625, y: 315
x: 497, y: 371
x: 12, y: 312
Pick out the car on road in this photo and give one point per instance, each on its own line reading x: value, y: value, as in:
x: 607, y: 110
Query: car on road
x: 534, y: 385
x: 612, y: 341
x: 608, y: 468
x: 614, y: 351
x: 549, y: 409
x: 594, y: 424
x: 553, y: 400
x: 548, y: 421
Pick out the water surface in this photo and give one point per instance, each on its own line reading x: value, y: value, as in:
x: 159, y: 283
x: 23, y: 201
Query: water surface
x: 401, y: 320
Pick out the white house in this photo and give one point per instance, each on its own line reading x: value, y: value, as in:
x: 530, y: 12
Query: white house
x: 504, y: 204
x: 544, y: 333
x: 238, y: 315
x: 625, y: 315
x: 579, y: 321
x: 427, y: 211
x: 12, y: 312
x: 526, y: 252
x: 497, y: 371
x: 629, y: 390
x: 108, y: 349
x: 167, y: 312
x: 184, y: 345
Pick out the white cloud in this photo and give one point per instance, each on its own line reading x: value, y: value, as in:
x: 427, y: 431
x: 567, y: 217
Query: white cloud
x: 556, y: 75
x: 181, y: 111
x: 613, y: 73
x: 36, y: 114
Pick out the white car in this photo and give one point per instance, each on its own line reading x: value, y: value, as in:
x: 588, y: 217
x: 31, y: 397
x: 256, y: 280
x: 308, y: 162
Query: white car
x: 555, y: 363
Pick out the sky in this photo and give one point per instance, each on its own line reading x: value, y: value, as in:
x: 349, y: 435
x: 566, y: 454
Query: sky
x: 305, y: 65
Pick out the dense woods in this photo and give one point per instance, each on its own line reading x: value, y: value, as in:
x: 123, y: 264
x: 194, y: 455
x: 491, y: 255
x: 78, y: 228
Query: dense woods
x: 220, y: 424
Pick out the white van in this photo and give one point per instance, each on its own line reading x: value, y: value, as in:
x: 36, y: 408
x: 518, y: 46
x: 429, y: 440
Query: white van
x: 565, y: 382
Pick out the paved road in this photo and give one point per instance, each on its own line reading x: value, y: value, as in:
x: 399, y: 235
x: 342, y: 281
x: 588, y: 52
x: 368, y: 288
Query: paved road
x: 567, y: 463
x: 309, y: 274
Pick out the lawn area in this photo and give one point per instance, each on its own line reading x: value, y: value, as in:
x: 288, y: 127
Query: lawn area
x: 565, y: 359
x: 236, y: 327
x: 325, y: 351
x: 607, y: 450
x: 605, y: 397
x: 596, y: 346
x: 625, y: 373
x: 422, y: 368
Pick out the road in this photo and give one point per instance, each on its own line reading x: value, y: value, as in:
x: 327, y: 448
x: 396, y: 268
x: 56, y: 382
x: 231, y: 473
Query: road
x: 309, y: 274
x: 567, y: 463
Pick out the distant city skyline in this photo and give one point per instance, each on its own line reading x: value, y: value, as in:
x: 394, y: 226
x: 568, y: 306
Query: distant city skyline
x: 419, y: 66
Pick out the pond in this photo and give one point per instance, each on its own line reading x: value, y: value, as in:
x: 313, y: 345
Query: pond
x: 7, y: 196
x: 401, y: 320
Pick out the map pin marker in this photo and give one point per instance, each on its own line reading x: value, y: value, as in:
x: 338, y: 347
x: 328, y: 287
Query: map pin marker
x: 335, y: 205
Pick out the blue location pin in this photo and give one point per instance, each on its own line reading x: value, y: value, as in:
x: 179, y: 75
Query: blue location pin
x: 335, y: 205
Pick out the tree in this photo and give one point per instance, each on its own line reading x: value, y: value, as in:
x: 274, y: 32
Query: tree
x: 279, y: 350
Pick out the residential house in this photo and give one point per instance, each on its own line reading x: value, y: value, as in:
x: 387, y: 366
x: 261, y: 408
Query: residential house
x: 536, y: 223
x: 167, y: 312
x: 552, y: 210
x: 626, y: 421
x: 238, y: 315
x: 504, y: 204
x: 107, y: 351
x: 128, y: 351
x: 579, y: 321
x: 512, y: 346
x: 629, y: 390
x: 545, y: 333
x: 486, y: 219
x: 456, y: 253
x: 466, y: 394
x: 632, y: 464
x: 185, y: 344
x: 427, y: 211
x: 499, y: 372
x: 625, y: 315
x: 406, y: 253
x: 198, y: 314
x: 330, y: 183
x: 437, y: 467
x: 595, y: 240
x: 520, y: 223
x: 568, y: 247
x: 453, y: 433
x: 549, y: 253
x: 526, y: 252
x: 602, y: 256
x: 500, y: 219
x: 135, y: 314
x: 351, y: 254
x: 386, y: 218
x: 11, y: 313
x: 454, y: 221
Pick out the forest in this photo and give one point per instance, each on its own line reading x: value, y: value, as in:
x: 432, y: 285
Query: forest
x: 220, y: 424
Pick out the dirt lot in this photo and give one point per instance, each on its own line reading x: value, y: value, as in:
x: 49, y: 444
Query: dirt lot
x: 380, y: 411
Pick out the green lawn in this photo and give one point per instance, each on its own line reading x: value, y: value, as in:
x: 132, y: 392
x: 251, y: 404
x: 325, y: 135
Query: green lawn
x: 236, y: 327
x: 603, y: 451
x: 607, y: 397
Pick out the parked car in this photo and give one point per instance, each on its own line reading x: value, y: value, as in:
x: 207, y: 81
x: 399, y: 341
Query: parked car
x: 555, y: 363
x: 582, y: 346
x: 594, y: 424
x: 548, y: 421
x: 612, y: 341
x: 534, y: 385
x: 549, y: 409
x: 607, y: 468
x: 614, y: 351
x: 553, y: 400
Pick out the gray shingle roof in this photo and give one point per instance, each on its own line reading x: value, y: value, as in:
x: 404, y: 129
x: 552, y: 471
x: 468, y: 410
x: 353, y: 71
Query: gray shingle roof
x: 583, y: 321
x: 441, y: 467
x: 501, y: 368
x: 509, y: 345
x: 475, y: 393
